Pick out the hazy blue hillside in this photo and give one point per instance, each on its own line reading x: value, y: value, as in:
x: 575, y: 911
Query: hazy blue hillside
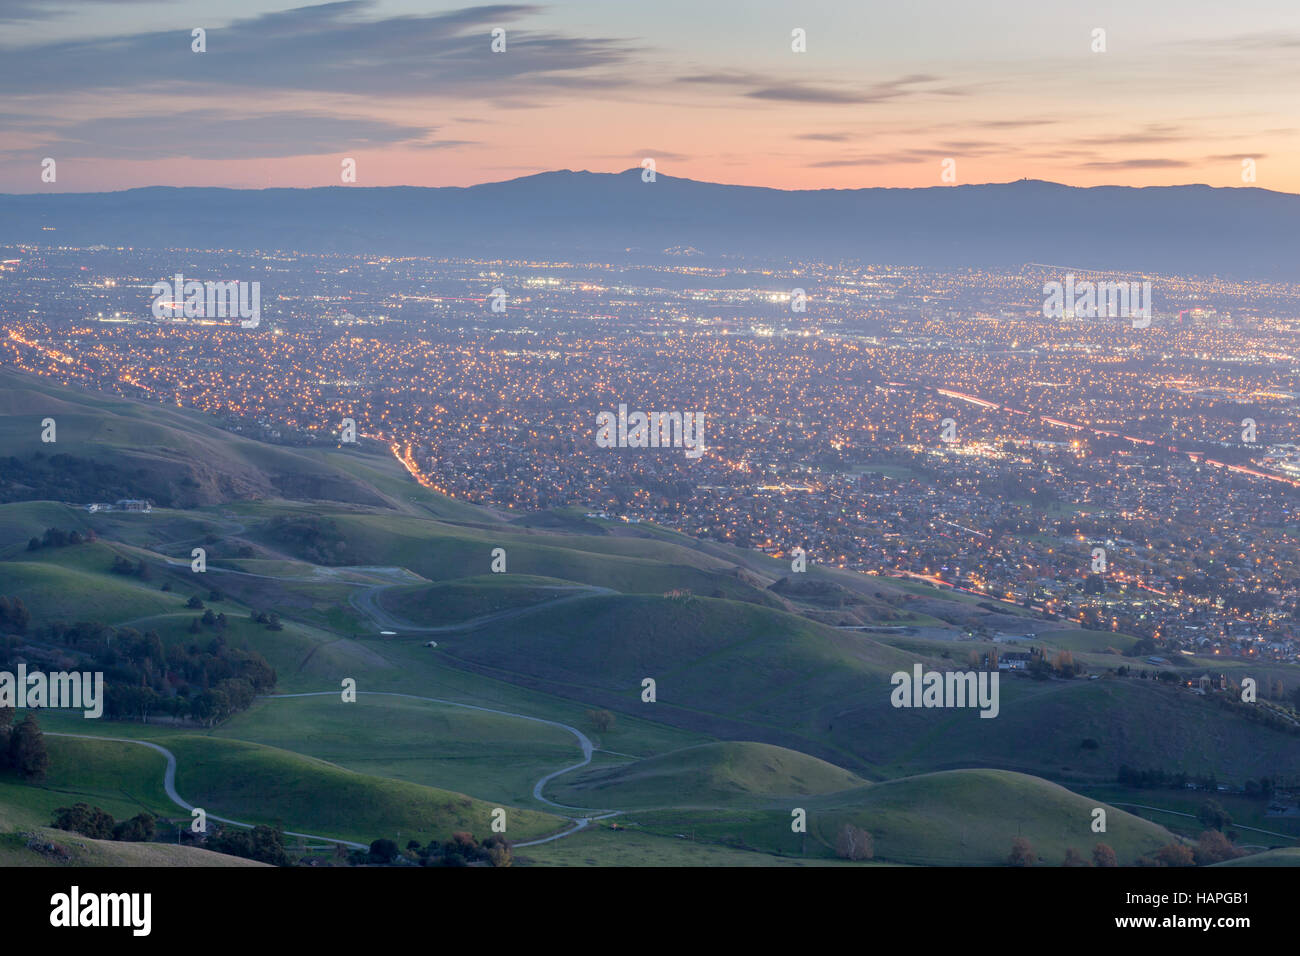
x: 1188, y: 229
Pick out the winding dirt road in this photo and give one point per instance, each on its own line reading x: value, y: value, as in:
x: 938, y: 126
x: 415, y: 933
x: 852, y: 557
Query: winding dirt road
x: 579, y: 822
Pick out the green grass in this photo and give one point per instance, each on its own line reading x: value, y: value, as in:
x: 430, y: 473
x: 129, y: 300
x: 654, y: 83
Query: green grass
x: 415, y: 669
x: 1042, y: 725
x: 739, y: 671
x: 55, y: 593
x: 83, y: 851
x: 601, y: 845
x: 121, y: 779
x: 957, y: 818
x: 722, y: 668
x: 22, y: 520
x: 439, y: 551
x: 709, y: 775
x: 490, y: 756
x: 1182, y: 806
x: 431, y: 605
x: 305, y: 658
x: 259, y: 784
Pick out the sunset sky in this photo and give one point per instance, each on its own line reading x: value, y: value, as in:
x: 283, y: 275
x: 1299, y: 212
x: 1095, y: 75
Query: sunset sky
x: 885, y: 92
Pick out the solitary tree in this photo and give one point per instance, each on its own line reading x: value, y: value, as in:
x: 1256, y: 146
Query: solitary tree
x: 27, y: 752
x: 6, y: 726
x: 1213, y: 816
x: 139, y: 829
x: 1103, y: 855
x: 1214, y: 847
x: 854, y: 843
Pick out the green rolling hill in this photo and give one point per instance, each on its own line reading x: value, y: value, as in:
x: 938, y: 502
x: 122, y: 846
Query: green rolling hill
x: 709, y: 775
x: 763, y: 704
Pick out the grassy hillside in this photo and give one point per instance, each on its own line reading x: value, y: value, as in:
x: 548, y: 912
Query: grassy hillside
x: 761, y: 705
x: 489, y: 755
x: 721, y: 667
x: 120, y: 448
x: 56, y: 593
x: 613, y: 843
x: 710, y: 775
x: 31, y: 848
x: 743, y: 672
x: 122, y: 779
x: 957, y: 818
x: 260, y: 784
x: 439, y: 551
x: 457, y: 601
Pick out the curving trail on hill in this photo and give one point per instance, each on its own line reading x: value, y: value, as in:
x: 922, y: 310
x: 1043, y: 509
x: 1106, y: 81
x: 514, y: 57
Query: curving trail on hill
x: 366, y: 601
x: 169, y: 785
x: 579, y: 822
x: 583, y: 741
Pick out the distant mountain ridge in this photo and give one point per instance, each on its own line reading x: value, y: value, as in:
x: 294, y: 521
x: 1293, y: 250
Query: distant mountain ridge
x: 1195, y: 229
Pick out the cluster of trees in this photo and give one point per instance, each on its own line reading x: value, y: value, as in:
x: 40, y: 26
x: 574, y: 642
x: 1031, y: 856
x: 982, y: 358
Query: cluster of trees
x: 1164, y: 780
x: 319, y: 540
x: 1142, y: 647
x: 1253, y: 711
x: 602, y: 721
x: 65, y: 477
x: 1102, y: 856
x: 14, y: 616
x: 1061, y: 664
x: 461, y: 850
x: 1170, y: 677
x: 208, y: 619
x: 58, y: 538
x: 22, y: 748
x: 1213, y: 816
x: 142, y: 677
x: 262, y: 843
x: 1212, y: 847
x: 138, y: 569
x: 99, y: 825
x: 1022, y: 854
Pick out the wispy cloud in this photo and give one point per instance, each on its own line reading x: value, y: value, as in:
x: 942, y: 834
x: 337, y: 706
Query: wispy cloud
x: 759, y: 87
x: 342, y: 47
x: 18, y: 11
x: 1136, y: 164
x: 228, y: 135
